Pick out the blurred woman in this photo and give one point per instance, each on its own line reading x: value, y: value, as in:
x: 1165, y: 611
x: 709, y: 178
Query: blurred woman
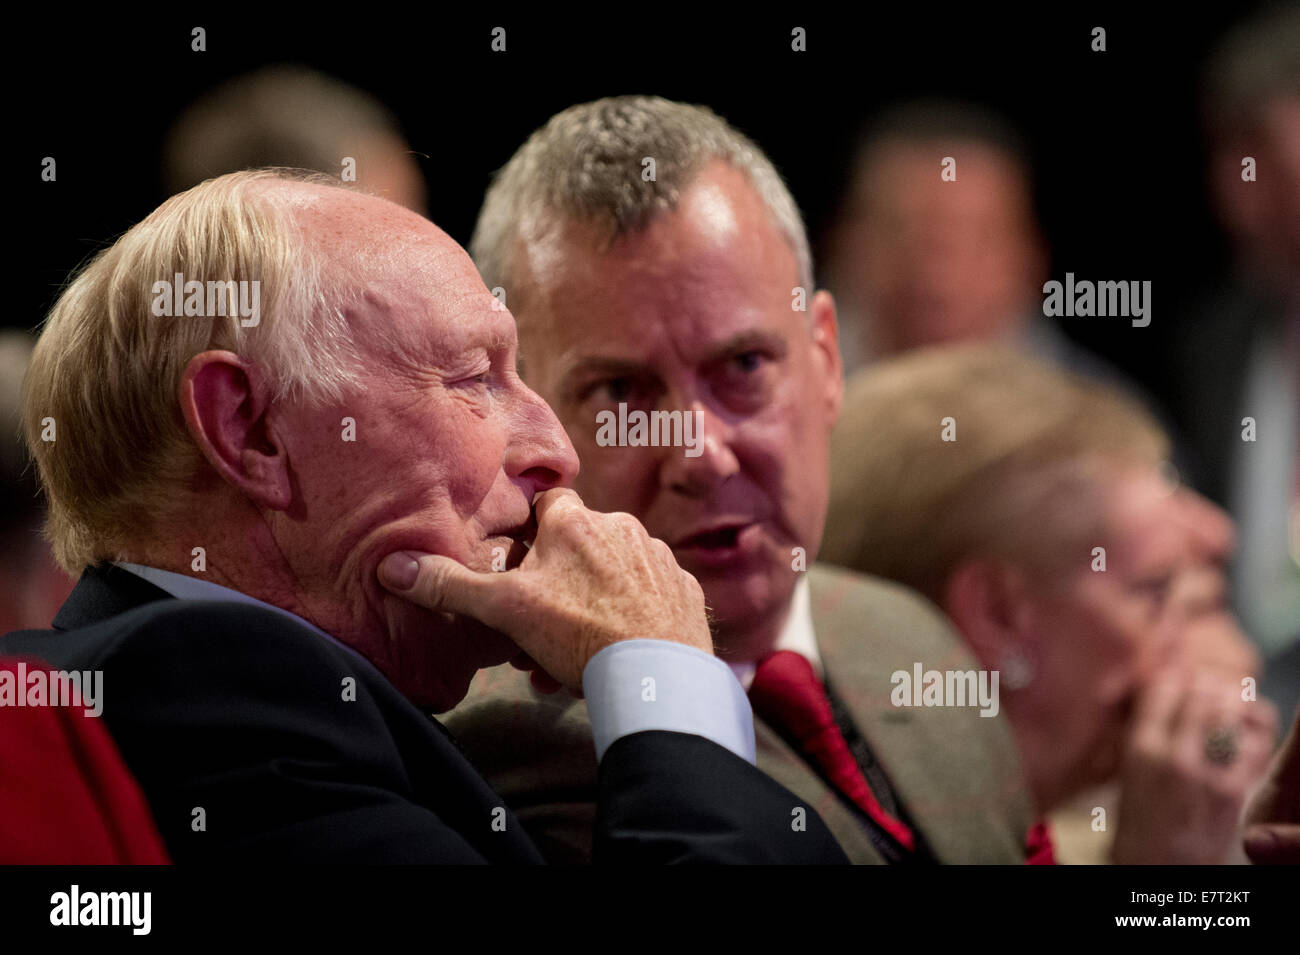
x: 1036, y: 510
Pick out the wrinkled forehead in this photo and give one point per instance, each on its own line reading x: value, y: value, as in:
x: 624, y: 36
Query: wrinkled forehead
x: 411, y: 290
x: 356, y: 233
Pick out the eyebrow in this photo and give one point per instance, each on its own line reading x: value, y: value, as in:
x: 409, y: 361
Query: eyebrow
x: 741, y: 342
x: 747, y: 341
x: 598, y: 364
x: 489, y: 342
x: 495, y: 341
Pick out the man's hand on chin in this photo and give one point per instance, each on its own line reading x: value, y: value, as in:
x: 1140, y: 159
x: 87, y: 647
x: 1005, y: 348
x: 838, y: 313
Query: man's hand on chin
x: 589, y: 581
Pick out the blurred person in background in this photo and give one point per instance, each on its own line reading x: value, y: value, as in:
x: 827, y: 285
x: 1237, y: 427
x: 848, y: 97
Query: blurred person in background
x: 915, y: 260
x: 32, y: 586
x: 293, y: 116
x: 1237, y: 356
x: 1046, y: 527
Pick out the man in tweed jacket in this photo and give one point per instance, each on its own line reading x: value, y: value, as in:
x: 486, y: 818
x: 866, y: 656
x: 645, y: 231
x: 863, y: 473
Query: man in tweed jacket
x: 683, y: 285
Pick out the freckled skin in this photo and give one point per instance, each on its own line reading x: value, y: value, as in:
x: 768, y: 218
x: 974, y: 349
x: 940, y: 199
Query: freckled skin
x: 698, y: 307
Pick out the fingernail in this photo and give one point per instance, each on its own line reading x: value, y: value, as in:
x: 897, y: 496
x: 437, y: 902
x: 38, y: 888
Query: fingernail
x: 399, y: 570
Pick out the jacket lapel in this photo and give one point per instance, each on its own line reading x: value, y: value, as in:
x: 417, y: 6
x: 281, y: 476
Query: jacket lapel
x: 957, y: 782
x: 782, y: 763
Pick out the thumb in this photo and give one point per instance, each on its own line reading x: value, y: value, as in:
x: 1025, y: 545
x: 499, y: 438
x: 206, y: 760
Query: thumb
x: 440, y: 583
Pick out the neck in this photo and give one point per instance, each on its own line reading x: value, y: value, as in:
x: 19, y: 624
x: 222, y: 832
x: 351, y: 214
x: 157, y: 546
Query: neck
x: 329, y: 586
x: 1053, y: 772
x: 237, y: 549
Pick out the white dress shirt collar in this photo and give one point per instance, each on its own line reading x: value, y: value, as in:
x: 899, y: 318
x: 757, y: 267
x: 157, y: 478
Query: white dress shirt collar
x: 796, y: 634
x: 192, y: 588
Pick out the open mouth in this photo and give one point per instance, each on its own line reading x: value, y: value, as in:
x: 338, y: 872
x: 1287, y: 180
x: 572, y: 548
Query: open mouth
x: 719, y: 539
x: 724, y: 542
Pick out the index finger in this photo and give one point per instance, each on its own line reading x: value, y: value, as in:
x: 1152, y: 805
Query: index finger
x: 557, y: 497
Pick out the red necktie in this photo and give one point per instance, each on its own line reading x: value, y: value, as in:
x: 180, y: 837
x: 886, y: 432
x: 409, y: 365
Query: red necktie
x: 787, y: 693
x: 1038, y: 846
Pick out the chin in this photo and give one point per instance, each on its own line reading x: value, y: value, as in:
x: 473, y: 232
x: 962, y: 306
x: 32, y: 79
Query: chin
x: 739, y: 604
x: 432, y: 657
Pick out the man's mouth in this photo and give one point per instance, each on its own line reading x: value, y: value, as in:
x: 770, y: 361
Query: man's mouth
x: 521, y: 537
x: 722, y: 541
x: 714, y: 539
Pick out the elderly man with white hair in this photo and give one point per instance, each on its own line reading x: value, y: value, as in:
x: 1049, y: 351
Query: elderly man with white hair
x: 300, y: 530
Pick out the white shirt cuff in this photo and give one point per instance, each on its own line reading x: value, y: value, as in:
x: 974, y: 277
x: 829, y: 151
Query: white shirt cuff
x: 640, y: 685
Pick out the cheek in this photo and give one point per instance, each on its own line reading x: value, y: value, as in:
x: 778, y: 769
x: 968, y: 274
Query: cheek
x: 448, y: 467
x: 473, y: 449
x: 1079, y: 649
x: 614, y: 478
x: 789, y: 456
x: 1112, y: 646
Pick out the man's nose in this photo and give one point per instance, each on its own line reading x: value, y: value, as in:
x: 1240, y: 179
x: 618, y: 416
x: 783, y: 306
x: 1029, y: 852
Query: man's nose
x: 698, y: 474
x: 539, y: 451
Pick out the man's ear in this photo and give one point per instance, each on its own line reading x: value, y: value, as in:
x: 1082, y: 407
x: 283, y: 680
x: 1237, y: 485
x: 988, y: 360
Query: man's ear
x: 986, y: 601
x: 226, y: 404
x: 826, y: 341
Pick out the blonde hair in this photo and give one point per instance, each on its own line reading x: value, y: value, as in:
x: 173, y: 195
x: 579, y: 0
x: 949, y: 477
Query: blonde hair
x: 1020, y: 482
x: 104, y: 375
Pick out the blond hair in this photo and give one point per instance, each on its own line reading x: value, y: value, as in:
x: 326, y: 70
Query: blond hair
x: 587, y: 163
x: 1020, y: 482
x: 100, y: 409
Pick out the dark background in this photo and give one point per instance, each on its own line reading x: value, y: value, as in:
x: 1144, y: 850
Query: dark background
x: 1117, y: 144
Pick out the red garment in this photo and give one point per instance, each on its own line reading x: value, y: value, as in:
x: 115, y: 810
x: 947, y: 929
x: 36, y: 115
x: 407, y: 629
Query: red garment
x: 787, y: 693
x: 1038, y: 845
x: 66, y: 798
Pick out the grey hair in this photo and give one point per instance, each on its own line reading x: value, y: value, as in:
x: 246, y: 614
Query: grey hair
x: 585, y: 164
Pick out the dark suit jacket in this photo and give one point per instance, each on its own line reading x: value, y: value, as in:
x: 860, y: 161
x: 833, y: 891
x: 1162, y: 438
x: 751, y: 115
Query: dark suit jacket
x: 236, y: 716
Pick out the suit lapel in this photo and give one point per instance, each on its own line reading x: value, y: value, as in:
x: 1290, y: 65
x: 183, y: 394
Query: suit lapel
x: 956, y: 808
x: 791, y: 770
